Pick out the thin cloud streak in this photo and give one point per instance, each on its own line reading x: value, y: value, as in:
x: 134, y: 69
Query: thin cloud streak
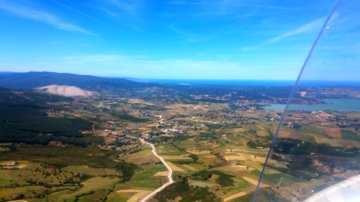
x: 128, y: 66
x: 127, y: 13
x: 129, y: 7
x: 303, y: 29
x: 75, y: 10
x: 235, y: 3
x: 191, y: 37
x: 311, y: 26
x: 85, y: 59
x: 42, y: 16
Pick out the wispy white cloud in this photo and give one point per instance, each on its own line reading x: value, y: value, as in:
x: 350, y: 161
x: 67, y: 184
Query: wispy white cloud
x: 303, y: 29
x: 127, y: 13
x: 192, y: 37
x: 85, y: 59
x: 230, y: 7
x: 145, y: 67
x: 73, y: 9
x: 306, y: 28
x: 249, y: 48
x: 41, y: 16
x: 314, y: 25
x: 274, y: 7
x: 131, y: 7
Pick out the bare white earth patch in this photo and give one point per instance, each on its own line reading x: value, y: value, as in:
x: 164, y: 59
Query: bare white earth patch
x: 67, y: 91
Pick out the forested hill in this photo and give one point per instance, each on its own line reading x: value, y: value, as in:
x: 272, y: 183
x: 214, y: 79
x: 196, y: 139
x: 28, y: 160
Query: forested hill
x: 30, y: 80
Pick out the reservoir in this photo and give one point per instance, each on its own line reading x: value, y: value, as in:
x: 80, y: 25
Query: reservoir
x: 340, y: 105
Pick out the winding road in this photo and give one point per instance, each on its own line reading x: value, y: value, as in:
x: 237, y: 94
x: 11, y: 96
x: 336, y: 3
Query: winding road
x: 170, y: 172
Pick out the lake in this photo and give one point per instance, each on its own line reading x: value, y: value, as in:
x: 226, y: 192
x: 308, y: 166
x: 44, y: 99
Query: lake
x: 340, y: 105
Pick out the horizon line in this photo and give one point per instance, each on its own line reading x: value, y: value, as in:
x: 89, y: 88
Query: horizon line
x: 180, y: 79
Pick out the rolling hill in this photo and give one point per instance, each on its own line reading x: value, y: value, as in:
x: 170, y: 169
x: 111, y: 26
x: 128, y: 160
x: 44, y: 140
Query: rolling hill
x: 31, y: 80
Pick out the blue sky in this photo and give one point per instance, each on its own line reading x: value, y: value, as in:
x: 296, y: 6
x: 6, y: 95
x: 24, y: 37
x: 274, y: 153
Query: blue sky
x: 175, y: 39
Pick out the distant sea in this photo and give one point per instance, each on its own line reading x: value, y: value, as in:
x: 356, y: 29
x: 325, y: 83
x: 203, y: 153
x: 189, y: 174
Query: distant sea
x: 253, y: 82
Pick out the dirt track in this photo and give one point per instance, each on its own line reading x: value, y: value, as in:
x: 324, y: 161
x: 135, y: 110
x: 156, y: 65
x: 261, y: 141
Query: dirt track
x: 170, y: 171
